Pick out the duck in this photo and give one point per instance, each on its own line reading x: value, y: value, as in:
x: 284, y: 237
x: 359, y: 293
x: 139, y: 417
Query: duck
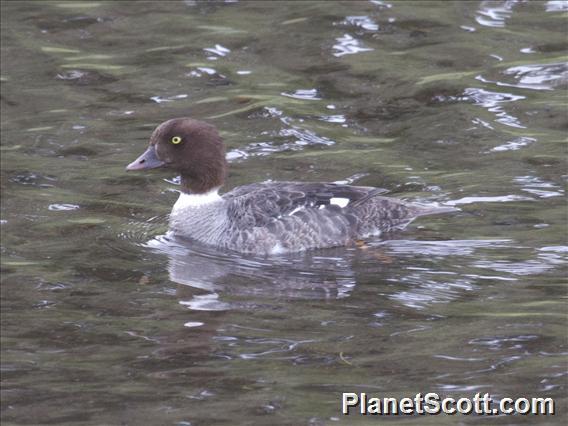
x: 265, y: 218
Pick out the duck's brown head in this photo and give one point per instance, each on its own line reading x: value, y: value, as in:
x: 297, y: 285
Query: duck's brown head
x: 191, y: 147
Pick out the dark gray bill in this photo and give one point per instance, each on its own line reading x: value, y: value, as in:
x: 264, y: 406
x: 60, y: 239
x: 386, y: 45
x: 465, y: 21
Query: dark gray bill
x: 148, y: 160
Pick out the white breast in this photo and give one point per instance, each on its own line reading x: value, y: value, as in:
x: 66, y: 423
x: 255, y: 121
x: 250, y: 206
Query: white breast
x: 196, y: 200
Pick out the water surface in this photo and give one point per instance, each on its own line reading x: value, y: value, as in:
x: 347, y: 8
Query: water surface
x: 107, y: 320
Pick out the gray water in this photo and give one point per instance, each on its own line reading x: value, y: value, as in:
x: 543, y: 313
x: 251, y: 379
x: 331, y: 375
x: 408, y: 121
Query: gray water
x: 107, y: 320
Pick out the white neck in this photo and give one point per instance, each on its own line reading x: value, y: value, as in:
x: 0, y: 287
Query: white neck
x: 197, y: 200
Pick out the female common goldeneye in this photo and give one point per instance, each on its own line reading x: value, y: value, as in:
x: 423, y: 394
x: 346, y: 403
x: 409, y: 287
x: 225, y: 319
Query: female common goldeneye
x: 264, y: 218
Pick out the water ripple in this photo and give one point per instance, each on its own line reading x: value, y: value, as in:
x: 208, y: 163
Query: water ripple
x: 338, y: 118
x: 217, y: 50
x: 205, y: 302
x: 494, y: 199
x: 514, y: 144
x: 199, y: 71
x: 304, y: 94
x: 494, y: 14
x: 556, y: 6
x: 442, y: 248
x: 348, y: 45
x: 63, y: 207
x: 528, y: 267
x: 493, y: 101
x: 533, y: 76
x: 361, y: 21
x: 539, y: 76
x: 298, y: 138
x: 539, y: 187
x: 159, y: 99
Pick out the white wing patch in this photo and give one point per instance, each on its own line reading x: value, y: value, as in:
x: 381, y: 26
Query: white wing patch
x: 338, y: 201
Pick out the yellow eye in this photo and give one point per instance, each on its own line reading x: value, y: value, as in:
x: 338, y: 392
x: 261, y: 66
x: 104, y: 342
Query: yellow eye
x: 176, y: 140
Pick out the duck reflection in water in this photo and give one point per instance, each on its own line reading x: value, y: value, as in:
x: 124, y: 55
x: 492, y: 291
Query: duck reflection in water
x: 325, y: 274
